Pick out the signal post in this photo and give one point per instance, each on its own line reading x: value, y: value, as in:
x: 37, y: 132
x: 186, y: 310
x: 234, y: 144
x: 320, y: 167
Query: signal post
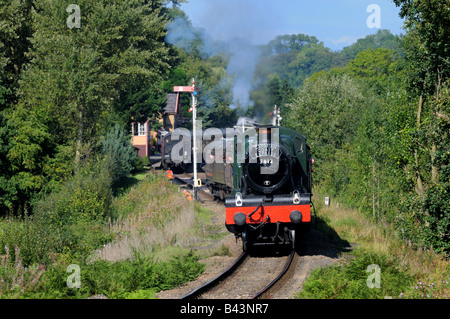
x: 192, y: 89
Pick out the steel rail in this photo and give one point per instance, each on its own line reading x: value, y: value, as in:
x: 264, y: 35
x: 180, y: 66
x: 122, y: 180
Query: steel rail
x: 195, y: 294
x: 264, y: 292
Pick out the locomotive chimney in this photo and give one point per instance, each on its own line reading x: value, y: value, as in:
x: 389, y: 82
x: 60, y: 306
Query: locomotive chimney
x: 274, y: 116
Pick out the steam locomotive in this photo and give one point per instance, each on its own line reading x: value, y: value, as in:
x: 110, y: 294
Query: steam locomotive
x: 266, y: 183
x: 263, y: 174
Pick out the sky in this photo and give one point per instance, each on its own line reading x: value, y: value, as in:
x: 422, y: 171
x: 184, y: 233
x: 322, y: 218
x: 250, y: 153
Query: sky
x: 338, y: 23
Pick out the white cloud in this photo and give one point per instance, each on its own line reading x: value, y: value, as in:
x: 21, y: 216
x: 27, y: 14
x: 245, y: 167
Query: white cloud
x: 344, y: 40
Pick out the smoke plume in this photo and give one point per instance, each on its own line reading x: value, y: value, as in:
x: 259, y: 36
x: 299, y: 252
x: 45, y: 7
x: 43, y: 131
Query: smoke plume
x: 230, y: 35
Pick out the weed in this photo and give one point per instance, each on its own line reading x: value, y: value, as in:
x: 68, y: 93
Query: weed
x: 15, y: 278
x: 406, y: 272
x: 349, y: 281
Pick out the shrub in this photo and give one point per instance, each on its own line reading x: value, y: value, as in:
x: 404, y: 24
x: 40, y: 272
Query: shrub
x: 350, y: 281
x: 86, y: 197
x: 15, y: 278
x: 67, y: 224
x: 120, y: 156
x: 141, y: 277
x: 140, y: 163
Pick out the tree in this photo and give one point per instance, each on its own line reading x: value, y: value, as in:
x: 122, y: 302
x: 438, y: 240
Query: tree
x: 119, y: 153
x: 82, y: 75
x: 427, y: 42
x: 383, y: 39
x: 73, y: 85
x: 25, y: 152
x: 15, y: 32
x: 375, y: 67
x: 313, y: 58
x: 427, y: 52
x: 176, y: 3
x: 325, y: 110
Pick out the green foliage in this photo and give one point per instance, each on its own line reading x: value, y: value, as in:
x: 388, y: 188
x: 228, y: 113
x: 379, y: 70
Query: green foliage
x: 141, y: 294
x: 375, y: 67
x: 26, y: 144
x: 138, y: 278
x: 383, y: 39
x: 426, y: 43
x: 80, y: 76
x: 74, y: 85
x: 119, y: 153
x: 374, y: 147
x: 67, y: 224
x: 15, y: 34
x: 325, y: 111
x: 84, y: 198
x: 424, y: 215
x: 294, y: 58
x: 349, y: 281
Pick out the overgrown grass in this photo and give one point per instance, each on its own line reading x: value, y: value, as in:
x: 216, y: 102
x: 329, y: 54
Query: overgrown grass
x: 153, y: 215
x: 350, y: 280
x: 405, y: 272
x: 141, y: 246
x: 140, y: 277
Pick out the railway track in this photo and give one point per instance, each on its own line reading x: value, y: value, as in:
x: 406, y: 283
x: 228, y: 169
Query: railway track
x: 221, y: 280
x: 264, y: 293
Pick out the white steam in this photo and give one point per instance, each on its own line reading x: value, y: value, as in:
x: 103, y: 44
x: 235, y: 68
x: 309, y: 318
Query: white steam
x: 243, y: 55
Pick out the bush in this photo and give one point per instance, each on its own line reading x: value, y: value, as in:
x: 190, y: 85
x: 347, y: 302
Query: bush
x: 426, y: 221
x: 140, y: 163
x: 120, y: 156
x: 350, y: 281
x: 86, y: 197
x: 67, y: 224
x: 138, y: 278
